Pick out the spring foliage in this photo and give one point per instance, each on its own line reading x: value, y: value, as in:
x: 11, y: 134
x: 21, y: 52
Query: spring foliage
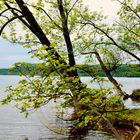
x: 57, y: 32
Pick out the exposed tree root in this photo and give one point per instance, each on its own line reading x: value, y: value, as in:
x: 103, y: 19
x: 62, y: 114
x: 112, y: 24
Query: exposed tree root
x: 137, y: 134
x: 111, y: 126
x: 66, y: 131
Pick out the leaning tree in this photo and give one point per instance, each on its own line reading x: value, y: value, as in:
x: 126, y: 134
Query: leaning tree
x: 54, y: 32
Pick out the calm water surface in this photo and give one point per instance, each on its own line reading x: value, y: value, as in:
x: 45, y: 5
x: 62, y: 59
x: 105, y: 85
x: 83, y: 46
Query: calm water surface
x: 13, y: 125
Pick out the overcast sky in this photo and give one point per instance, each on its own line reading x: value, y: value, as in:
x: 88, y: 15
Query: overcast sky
x: 110, y: 7
x: 11, y: 53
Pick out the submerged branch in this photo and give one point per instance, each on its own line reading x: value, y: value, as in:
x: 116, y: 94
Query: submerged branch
x: 111, y: 126
x: 50, y: 126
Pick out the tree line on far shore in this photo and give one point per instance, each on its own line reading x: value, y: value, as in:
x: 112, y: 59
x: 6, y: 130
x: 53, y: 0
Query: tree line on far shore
x: 125, y: 70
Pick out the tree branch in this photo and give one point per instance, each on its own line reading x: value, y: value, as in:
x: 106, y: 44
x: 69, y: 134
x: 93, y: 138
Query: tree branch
x: 15, y: 14
x: 132, y: 10
x: 48, y: 16
x: 72, y: 6
x: 33, y: 23
x: 12, y: 19
x: 66, y: 34
x: 5, y: 17
x: 9, y: 8
x: 24, y: 42
x: 111, y: 126
x: 114, y: 42
x: 130, y: 30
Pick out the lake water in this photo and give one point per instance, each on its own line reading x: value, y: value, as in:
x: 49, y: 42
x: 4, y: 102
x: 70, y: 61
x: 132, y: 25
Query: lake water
x: 14, y: 126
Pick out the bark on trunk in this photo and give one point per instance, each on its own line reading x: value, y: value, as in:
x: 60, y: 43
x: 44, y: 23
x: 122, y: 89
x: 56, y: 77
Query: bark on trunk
x: 110, y: 77
x: 65, y: 73
x: 64, y: 20
x: 75, y: 88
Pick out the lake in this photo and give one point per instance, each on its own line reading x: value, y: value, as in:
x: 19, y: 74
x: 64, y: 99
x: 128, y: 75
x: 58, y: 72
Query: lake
x: 14, y: 126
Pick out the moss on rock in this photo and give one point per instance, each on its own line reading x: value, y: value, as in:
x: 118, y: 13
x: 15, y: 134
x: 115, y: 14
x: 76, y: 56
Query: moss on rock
x: 135, y: 94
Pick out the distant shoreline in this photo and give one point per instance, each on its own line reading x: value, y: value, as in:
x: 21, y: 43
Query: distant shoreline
x: 131, y: 70
x: 79, y: 75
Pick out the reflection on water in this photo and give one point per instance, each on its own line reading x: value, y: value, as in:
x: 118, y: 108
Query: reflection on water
x: 13, y: 125
x: 128, y: 85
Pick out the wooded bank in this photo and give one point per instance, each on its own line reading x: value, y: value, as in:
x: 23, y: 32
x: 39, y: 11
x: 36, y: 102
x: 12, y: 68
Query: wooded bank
x: 124, y: 70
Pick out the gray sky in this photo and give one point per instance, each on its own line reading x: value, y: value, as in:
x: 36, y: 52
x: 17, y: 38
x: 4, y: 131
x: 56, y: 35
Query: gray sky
x: 109, y: 7
x: 11, y: 53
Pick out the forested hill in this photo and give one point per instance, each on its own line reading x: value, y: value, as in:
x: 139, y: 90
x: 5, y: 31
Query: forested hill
x: 6, y: 72
x: 83, y: 70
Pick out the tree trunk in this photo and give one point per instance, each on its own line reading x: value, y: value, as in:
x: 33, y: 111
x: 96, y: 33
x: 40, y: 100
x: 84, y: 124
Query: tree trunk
x: 108, y: 74
x: 64, y: 20
x: 76, y: 87
x: 65, y: 72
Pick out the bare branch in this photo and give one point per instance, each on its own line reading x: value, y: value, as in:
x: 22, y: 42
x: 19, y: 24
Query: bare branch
x: 72, y: 6
x: 20, y: 18
x: 9, y: 21
x: 130, y: 30
x: 5, y: 17
x: 108, y: 36
x: 132, y: 10
x: 49, y: 17
x: 3, y: 11
x: 91, y: 52
x: 9, y: 8
x: 23, y: 42
x: 35, y: 28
